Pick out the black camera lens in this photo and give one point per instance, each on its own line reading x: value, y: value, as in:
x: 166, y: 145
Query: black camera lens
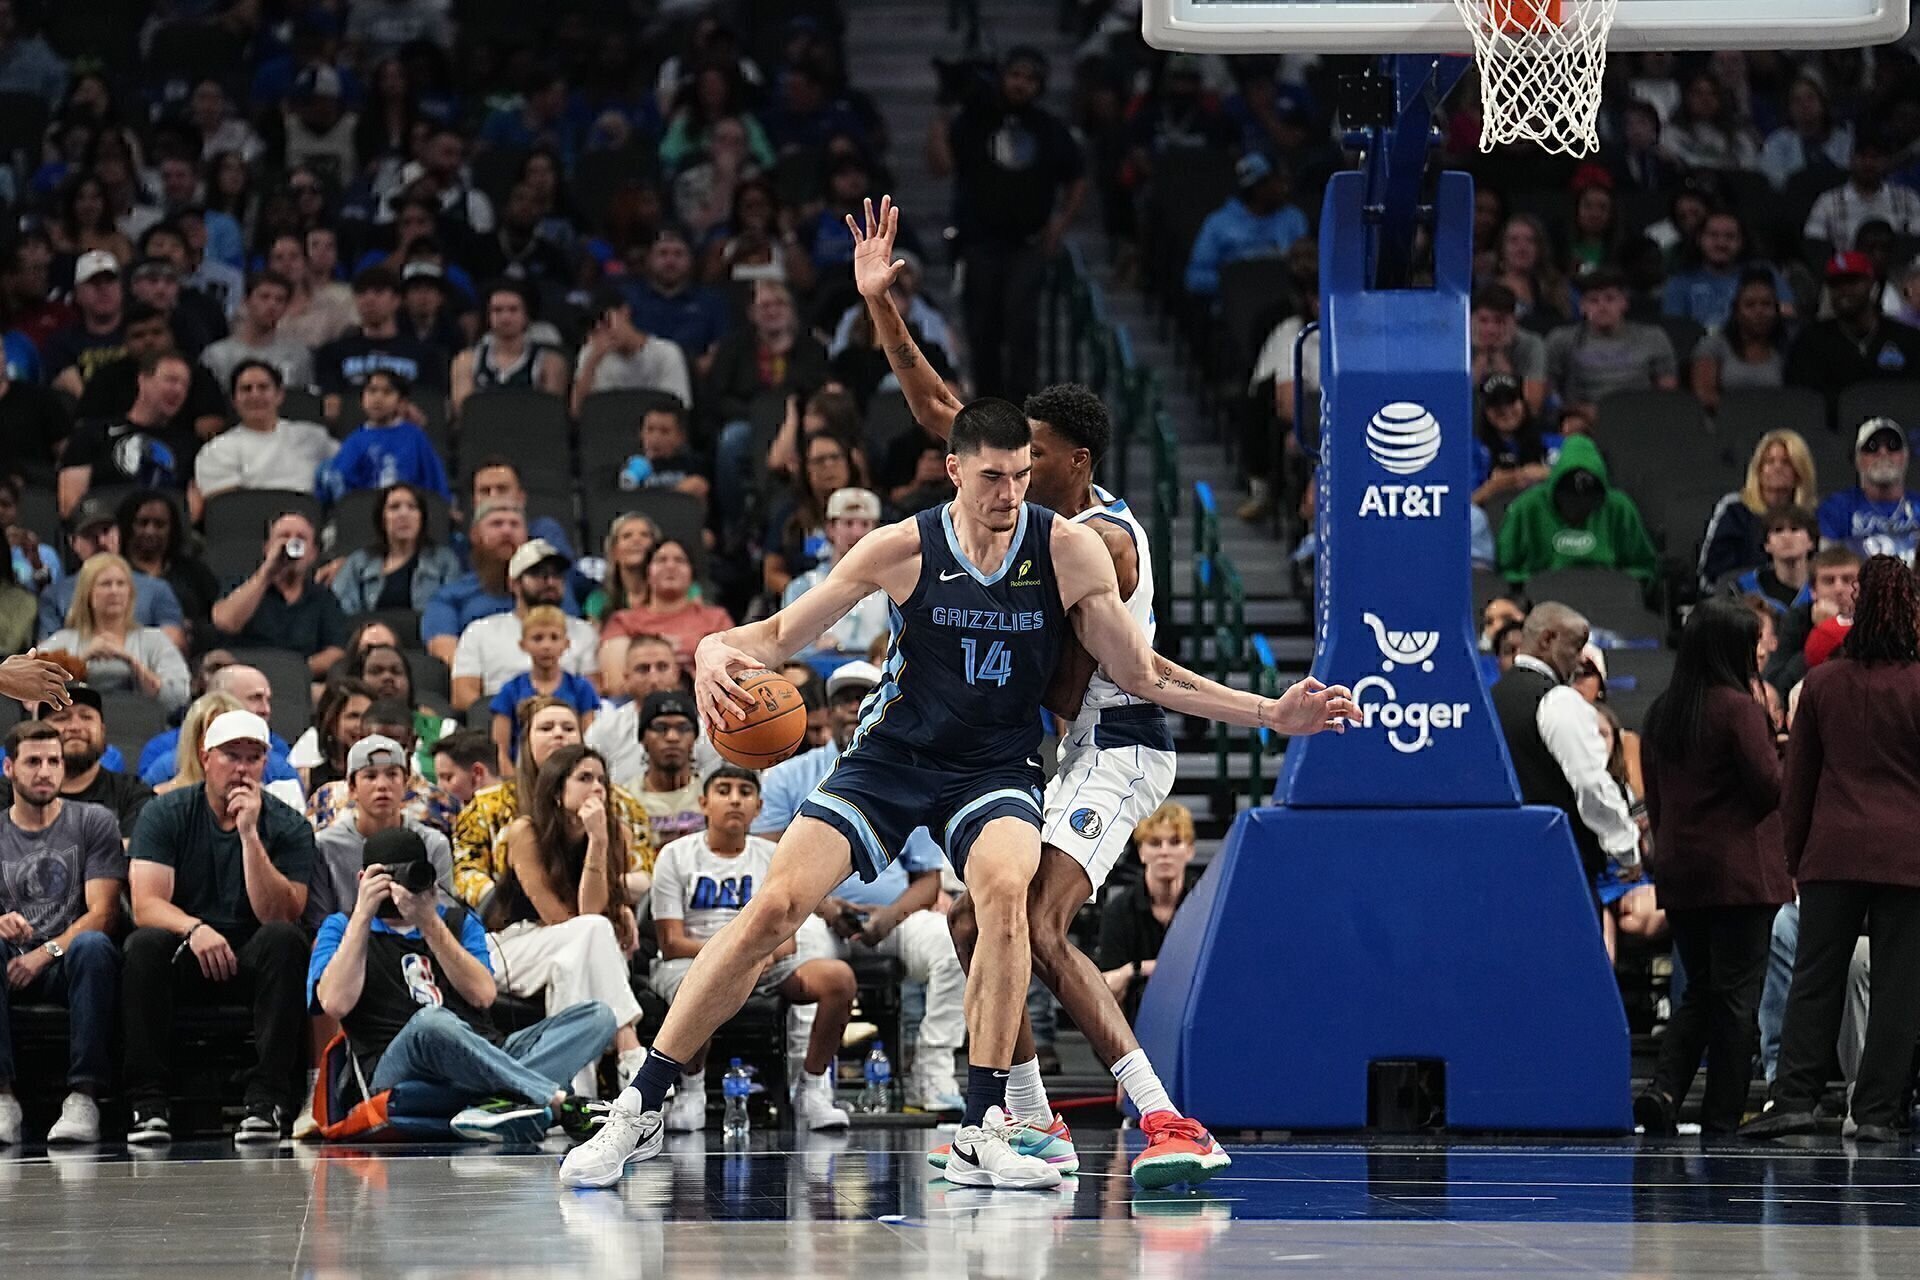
x: 415, y: 876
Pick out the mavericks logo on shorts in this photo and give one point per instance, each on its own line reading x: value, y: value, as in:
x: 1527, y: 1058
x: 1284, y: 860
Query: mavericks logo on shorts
x: 1085, y: 823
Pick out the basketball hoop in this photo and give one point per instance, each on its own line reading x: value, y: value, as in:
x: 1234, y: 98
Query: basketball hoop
x: 1541, y: 63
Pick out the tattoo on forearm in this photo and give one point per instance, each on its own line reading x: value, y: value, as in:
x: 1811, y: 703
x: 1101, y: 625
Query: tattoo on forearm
x: 903, y: 356
x: 1168, y: 677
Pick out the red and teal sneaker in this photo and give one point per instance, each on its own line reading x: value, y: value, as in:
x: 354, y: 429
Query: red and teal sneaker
x: 1052, y: 1143
x: 1178, y: 1150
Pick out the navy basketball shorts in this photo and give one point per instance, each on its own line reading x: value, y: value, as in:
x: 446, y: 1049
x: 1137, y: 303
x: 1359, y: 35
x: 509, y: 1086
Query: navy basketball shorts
x: 876, y: 796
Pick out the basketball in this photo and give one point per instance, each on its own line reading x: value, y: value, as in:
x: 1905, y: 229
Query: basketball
x: 773, y: 728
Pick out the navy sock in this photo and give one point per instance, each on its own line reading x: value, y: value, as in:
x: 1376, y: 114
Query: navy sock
x: 986, y: 1087
x: 658, y: 1073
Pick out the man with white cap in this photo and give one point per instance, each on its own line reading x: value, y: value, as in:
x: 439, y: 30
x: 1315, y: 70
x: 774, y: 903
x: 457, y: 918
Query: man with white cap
x: 851, y: 516
x: 218, y: 875
x: 72, y: 355
x: 489, y: 653
x: 892, y: 916
x: 1879, y: 515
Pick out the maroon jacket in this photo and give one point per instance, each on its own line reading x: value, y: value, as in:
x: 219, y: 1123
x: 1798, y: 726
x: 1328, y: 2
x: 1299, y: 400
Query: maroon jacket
x: 1715, y: 813
x: 1850, y: 802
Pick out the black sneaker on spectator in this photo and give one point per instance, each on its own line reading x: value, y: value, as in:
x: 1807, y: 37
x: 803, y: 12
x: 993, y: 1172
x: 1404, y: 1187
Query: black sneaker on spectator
x: 1653, y: 1112
x: 262, y: 1123
x: 581, y: 1118
x: 150, y: 1128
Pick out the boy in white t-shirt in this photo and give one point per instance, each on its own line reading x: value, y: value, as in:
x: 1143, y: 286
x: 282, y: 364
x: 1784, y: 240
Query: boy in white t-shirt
x: 700, y: 883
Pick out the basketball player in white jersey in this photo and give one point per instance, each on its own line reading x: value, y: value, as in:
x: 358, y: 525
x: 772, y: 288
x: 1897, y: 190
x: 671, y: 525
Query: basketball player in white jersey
x: 1116, y: 762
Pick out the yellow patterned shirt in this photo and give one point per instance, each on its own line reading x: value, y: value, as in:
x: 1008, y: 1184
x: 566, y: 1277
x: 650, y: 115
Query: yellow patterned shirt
x: 478, y: 859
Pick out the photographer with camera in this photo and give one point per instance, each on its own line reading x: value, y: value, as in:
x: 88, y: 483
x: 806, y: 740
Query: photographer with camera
x: 410, y: 981
x: 377, y: 780
x: 279, y: 606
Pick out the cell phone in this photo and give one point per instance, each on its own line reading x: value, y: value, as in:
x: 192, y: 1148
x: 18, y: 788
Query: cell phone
x: 853, y: 918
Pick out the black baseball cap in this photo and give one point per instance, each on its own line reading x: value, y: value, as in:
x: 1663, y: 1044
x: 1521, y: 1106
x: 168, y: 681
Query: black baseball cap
x: 92, y: 512
x: 667, y: 702
x: 80, y: 694
x: 1501, y: 388
x: 392, y: 847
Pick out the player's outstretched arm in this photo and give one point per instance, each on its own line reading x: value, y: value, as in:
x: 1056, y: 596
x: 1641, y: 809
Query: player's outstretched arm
x: 890, y: 555
x: 1108, y: 631
x: 874, y: 271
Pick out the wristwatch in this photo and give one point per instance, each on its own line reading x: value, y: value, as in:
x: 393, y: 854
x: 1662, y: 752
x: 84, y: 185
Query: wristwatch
x: 53, y: 948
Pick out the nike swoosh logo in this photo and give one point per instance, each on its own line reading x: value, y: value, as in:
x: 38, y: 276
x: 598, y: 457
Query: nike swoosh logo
x: 964, y: 1154
x: 949, y: 577
x: 1033, y: 762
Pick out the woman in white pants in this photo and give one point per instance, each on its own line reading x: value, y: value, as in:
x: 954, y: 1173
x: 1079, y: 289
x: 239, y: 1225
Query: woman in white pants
x: 562, y: 927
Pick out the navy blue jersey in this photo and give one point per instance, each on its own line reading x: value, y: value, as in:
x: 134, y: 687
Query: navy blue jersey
x: 972, y: 653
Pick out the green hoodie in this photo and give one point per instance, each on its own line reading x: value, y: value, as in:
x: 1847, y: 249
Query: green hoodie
x: 1535, y: 537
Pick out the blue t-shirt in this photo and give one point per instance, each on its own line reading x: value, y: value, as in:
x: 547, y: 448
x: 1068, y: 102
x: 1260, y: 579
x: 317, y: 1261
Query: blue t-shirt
x: 576, y: 691
x: 784, y: 786
x: 460, y: 602
x: 473, y: 937
x: 695, y: 319
x: 375, y: 457
x: 1872, y: 528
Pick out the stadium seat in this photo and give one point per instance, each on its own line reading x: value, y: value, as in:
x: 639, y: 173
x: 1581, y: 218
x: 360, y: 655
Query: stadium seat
x: 679, y: 515
x: 1896, y: 398
x: 888, y: 418
x: 1656, y: 443
x: 1611, y: 600
x: 231, y: 559
x: 303, y: 404
x: 1255, y: 295
x: 432, y: 680
x: 132, y: 720
x: 40, y: 512
x: 1745, y: 416
x: 531, y: 427
x: 610, y: 430
x: 404, y: 622
x: 1635, y: 677
x: 243, y: 514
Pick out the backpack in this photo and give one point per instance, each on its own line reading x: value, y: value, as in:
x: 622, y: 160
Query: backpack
x: 410, y: 1111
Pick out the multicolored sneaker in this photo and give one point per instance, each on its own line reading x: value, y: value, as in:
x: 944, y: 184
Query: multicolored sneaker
x: 1179, y: 1150
x: 1052, y: 1143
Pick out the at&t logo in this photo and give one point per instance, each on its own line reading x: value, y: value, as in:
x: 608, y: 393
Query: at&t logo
x: 1403, y: 439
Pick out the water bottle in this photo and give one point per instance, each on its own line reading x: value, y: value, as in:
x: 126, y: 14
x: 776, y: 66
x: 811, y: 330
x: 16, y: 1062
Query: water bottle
x: 735, y: 1086
x: 636, y: 473
x: 877, y: 1096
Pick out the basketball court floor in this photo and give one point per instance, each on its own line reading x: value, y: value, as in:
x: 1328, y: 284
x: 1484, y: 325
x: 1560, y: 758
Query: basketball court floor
x: 866, y: 1206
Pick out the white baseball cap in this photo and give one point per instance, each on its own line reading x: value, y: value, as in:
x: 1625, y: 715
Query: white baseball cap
x: 532, y: 552
x: 95, y: 262
x: 864, y: 674
x: 853, y: 502
x: 236, y: 726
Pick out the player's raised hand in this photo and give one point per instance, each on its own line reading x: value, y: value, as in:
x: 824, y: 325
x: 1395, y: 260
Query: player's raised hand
x: 874, y: 266
x: 1311, y: 706
x: 715, y: 691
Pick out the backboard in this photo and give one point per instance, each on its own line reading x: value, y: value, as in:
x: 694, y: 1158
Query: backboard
x: 1435, y: 26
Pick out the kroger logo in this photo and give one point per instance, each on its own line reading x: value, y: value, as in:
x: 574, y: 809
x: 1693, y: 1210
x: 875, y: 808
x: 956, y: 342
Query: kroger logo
x: 1403, y: 438
x: 1402, y: 648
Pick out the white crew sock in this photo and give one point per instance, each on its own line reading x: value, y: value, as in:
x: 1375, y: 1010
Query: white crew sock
x: 1026, y: 1094
x: 1137, y: 1077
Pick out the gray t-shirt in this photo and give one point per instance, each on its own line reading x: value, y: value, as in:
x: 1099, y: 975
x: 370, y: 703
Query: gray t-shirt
x: 1525, y: 357
x: 293, y: 360
x: 339, y: 851
x: 1585, y: 367
x: 1742, y: 375
x: 44, y: 874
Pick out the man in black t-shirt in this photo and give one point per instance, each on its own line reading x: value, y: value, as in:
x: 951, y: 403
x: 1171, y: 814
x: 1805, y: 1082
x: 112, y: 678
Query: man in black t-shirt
x: 116, y: 385
x: 1856, y: 343
x: 73, y: 355
x: 341, y: 367
x: 83, y: 739
x: 218, y: 873
x: 34, y: 426
x: 1018, y: 182
x: 140, y: 448
x: 410, y: 980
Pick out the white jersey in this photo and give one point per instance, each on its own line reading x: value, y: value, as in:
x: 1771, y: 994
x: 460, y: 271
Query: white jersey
x: 702, y: 889
x: 1101, y: 691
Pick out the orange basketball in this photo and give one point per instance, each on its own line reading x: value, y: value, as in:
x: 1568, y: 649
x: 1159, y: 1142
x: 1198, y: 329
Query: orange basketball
x: 773, y: 728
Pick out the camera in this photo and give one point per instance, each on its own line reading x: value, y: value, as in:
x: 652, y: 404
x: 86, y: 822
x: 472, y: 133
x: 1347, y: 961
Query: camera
x: 296, y: 548
x: 415, y: 876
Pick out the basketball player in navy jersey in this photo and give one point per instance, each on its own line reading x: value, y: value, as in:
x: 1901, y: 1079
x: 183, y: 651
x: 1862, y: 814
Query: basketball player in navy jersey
x: 983, y: 591
x: 1116, y: 758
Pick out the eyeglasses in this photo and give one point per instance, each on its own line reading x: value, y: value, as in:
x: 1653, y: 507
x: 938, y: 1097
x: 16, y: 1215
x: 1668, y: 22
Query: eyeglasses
x: 1883, y: 444
x: 673, y: 728
x: 545, y: 571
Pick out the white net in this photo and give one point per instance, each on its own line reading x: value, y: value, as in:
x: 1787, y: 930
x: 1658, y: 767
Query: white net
x: 1540, y: 63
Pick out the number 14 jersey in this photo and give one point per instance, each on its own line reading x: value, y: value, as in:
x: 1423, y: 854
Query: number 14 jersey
x: 972, y: 652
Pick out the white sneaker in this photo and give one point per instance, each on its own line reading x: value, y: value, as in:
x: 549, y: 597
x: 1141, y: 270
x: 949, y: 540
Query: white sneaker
x: 813, y: 1103
x: 10, y: 1118
x: 687, y: 1108
x: 79, y: 1121
x: 629, y: 1134
x: 982, y: 1155
x: 628, y: 1065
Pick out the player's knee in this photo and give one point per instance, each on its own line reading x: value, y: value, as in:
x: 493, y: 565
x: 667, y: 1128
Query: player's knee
x: 998, y: 887
x: 773, y: 916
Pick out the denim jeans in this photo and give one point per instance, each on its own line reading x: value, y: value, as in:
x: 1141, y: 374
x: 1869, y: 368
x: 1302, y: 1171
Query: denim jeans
x: 1773, y: 1001
x: 436, y: 1047
x: 87, y: 981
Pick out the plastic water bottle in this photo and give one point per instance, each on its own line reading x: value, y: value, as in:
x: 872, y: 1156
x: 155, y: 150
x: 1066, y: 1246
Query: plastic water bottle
x: 735, y: 1086
x: 636, y: 473
x: 877, y: 1096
